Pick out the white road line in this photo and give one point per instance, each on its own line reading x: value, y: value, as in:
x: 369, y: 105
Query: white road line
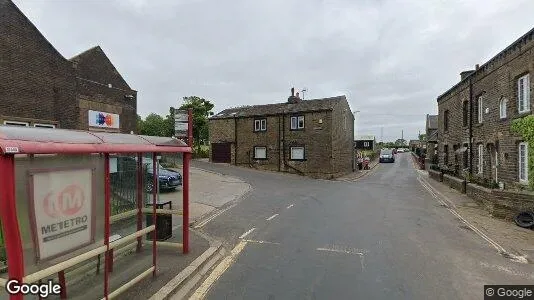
x: 340, y: 251
x: 271, y: 217
x: 261, y: 242
x: 290, y: 206
x: 204, y: 288
x: 493, y: 243
x: 247, y: 233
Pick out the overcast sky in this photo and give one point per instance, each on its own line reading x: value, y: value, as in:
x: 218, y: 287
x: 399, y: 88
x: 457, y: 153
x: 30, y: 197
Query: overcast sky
x: 391, y: 58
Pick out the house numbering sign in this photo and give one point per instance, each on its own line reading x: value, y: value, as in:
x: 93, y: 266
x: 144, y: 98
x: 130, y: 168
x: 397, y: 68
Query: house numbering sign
x: 62, y: 211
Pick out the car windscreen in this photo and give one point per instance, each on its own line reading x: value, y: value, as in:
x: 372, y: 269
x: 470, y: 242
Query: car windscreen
x: 385, y: 152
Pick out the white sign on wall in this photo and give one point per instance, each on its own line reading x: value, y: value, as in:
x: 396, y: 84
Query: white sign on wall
x: 62, y: 211
x: 181, y: 123
x: 103, y: 119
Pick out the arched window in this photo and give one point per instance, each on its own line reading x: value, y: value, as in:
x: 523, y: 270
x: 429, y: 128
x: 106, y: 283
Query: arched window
x: 503, y: 104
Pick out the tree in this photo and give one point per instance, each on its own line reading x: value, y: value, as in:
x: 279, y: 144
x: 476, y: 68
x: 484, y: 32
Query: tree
x: 153, y: 125
x: 201, y: 112
x: 422, y: 137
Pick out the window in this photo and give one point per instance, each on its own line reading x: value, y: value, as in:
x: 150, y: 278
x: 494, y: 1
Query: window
x: 446, y: 120
x: 297, y: 122
x: 297, y: 153
x: 523, y: 94
x: 523, y: 162
x: 480, y: 109
x: 260, y: 152
x: 465, y: 113
x: 15, y: 123
x: 260, y: 125
x: 44, y: 125
x: 480, y: 168
x: 502, y: 107
x: 446, y: 155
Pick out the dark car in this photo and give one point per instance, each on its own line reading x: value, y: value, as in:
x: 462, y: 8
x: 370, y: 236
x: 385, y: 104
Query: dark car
x: 386, y: 155
x: 168, y: 179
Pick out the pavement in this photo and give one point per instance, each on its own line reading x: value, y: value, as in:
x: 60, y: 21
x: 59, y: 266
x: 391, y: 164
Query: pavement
x: 514, y: 239
x: 383, y: 236
x: 359, y: 173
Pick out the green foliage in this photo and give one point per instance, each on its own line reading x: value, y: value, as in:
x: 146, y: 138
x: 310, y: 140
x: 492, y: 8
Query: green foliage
x: 201, y: 112
x: 422, y: 137
x: 153, y: 125
x: 201, y: 152
x: 401, y: 142
x: 525, y: 127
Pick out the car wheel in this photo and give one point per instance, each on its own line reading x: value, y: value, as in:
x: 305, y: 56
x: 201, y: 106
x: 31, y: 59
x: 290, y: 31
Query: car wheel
x: 524, y: 219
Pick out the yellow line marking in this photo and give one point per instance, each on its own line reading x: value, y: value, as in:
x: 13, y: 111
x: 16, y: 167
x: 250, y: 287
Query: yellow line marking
x: 204, y: 288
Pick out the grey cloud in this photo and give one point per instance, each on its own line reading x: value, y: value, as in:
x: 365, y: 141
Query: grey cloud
x: 392, y: 58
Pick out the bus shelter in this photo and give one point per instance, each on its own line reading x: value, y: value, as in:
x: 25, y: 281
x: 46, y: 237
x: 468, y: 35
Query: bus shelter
x: 55, y: 202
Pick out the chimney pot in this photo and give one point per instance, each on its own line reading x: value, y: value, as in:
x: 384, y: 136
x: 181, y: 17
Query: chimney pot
x: 292, y: 91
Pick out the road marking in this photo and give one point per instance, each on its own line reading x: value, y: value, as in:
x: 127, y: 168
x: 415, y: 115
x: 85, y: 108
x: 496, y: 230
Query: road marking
x: 290, y: 206
x: 271, y: 217
x: 204, y: 288
x: 261, y: 242
x: 341, y: 251
x: 358, y: 252
x: 247, y: 233
x: 215, y: 215
x: 497, y: 246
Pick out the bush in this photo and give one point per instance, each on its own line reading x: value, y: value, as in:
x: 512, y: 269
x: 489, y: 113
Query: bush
x: 203, y: 152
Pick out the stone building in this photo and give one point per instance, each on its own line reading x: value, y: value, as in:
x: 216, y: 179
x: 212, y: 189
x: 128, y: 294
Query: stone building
x: 431, y: 140
x: 475, y: 117
x: 308, y: 137
x: 41, y: 88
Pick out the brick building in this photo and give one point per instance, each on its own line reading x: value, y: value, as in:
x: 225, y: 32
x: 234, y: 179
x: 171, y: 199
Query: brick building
x: 308, y: 137
x: 39, y: 87
x: 475, y: 116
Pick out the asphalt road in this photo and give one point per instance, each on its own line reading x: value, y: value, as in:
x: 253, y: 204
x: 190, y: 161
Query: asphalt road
x: 381, y: 237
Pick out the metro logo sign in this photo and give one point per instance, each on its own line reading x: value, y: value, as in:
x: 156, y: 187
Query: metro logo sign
x: 62, y: 211
x: 68, y: 202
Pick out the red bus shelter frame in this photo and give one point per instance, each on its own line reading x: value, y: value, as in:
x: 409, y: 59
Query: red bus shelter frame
x: 30, y: 141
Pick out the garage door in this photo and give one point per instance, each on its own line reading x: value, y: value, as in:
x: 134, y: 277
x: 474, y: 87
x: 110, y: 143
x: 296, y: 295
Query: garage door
x: 220, y: 152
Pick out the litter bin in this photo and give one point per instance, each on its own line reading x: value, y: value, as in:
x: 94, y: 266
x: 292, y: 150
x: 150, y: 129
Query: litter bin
x: 163, y: 223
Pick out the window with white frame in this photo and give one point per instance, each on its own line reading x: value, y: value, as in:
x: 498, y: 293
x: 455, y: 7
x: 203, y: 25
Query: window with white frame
x: 16, y: 123
x: 523, y: 94
x: 297, y: 122
x: 44, y: 125
x: 297, y: 153
x: 260, y: 125
x: 523, y: 162
x: 503, y: 104
x: 260, y: 152
x: 480, y: 166
x: 480, y: 103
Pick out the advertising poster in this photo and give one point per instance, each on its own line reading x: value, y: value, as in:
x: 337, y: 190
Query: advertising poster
x: 62, y: 211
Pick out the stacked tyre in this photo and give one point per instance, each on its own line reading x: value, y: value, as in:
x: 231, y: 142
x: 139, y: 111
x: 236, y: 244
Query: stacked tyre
x: 525, y: 219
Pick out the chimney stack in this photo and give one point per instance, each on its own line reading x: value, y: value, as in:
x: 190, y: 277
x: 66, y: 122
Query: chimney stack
x: 477, y: 66
x: 464, y: 74
x: 293, y: 98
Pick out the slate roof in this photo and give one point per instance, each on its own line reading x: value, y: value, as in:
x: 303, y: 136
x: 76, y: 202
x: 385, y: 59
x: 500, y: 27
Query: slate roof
x: 278, y: 108
x: 431, y: 122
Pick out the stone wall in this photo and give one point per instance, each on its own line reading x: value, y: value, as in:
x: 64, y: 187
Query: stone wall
x: 436, y: 175
x: 454, y: 182
x: 501, y: 204
x: 495, y: 80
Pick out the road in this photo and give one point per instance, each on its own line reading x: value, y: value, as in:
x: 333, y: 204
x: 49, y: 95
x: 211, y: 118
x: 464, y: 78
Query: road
x: 380, y: 237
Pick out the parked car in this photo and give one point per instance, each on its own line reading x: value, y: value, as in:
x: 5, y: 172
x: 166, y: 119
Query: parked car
x: 168, y: 179
x: 386, y: 155
x: 401, y: 150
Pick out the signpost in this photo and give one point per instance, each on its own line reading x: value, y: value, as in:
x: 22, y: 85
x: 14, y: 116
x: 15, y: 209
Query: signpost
x: 183, y: 125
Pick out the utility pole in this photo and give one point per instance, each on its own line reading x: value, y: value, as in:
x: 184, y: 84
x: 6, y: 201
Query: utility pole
x: 382, y: 134
x: 402, y: 134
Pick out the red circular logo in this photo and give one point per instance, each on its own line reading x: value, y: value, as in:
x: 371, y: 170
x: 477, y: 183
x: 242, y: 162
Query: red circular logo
x: 67, y: 203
